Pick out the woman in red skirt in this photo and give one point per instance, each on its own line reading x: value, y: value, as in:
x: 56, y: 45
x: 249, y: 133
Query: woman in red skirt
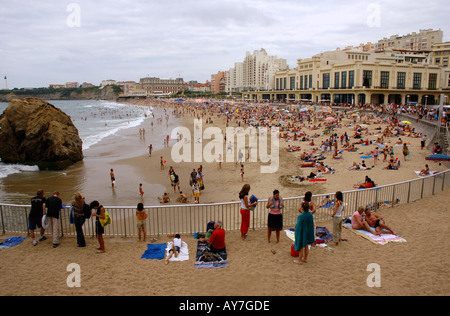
x: 245, y: 210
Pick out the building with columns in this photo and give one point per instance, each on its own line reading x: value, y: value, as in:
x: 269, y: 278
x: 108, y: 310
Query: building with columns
x: 356, y: 76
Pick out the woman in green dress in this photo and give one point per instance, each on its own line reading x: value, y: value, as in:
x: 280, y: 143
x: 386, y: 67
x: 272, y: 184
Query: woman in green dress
x: 304, y: 233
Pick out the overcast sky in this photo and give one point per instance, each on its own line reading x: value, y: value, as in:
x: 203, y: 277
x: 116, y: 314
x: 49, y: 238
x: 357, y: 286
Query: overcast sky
x: 56, y: 41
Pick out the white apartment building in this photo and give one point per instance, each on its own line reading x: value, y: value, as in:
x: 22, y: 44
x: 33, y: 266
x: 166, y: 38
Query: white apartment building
x: 256, y: 72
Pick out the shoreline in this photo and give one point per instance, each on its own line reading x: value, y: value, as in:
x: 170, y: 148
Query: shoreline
x: 226, y: 182
x: 128, y: 155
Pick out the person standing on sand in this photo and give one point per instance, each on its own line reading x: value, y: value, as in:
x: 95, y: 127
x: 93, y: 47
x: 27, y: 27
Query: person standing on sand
x: 405, y: 151
x: 141, y: 192
x: 141, y: 216
x: 54, y: 206
x: 150, y: 149
x: 79, y: 218
x: 275, y: 218
x: 99, y: 229
x: 304, y: 233
x: 337, y: 218
x: 245, y: 210
x: 162, y: 163
x: 35, y: 216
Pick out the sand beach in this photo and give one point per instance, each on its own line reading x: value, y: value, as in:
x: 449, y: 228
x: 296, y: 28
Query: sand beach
x: 416, y: 267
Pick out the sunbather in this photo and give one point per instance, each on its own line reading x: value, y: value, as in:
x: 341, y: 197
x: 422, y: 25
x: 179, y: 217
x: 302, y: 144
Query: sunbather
x: 358, y: 223
x: 425, y: 172
x: 376, y: 221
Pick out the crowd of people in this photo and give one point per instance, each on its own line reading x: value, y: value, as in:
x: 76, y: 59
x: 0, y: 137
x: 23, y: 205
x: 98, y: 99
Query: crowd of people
x: 298, y: 126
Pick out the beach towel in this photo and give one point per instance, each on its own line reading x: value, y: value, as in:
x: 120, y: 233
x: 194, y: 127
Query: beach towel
x: 205, y: 259
x: 319, y: 241
x: 366, y: 157
x: 183, y: 255
x: 11, y: 242
x: 382, y: 239
x: 154, y: 251
x: 422, y: 176
x: 328, y: 205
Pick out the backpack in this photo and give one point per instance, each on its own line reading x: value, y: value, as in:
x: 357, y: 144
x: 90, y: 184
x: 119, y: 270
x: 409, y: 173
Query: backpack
x: 87, y: 211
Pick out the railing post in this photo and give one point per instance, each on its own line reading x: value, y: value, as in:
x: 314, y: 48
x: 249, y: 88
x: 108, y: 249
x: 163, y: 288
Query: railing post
x: 393, y: 195
x: 423, y: 183
x: 409, y: 191
x: 3, y: 220
x: 443, y: 181
x: 434, y: 183
x: 125, y: 224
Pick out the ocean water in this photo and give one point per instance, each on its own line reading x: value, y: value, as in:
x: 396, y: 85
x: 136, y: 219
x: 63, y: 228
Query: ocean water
x: 95, y: 121
x: 110, y: 133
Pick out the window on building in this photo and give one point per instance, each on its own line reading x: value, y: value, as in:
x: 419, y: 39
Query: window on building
x: 301, y: 82
x: 351, y: 78
x: 326, y: 81
x: 310, y: 81
x: 401, y: 80
x: 417, y: 80
x: 344, y: 80
x: 432, y: 81
x: 285, y: 83
x: 336, y: 80
x: 367, y: 78
x: 278, y: 83
x: 384, y: 82
x: 292, y: 83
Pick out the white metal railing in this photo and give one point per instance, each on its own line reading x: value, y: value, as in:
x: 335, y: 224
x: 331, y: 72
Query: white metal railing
x: 191, y: 218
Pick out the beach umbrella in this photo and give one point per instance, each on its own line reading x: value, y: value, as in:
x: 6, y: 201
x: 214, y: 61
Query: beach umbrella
x: 330, y: 118
x: 406, y: 122
x: 438, y: 157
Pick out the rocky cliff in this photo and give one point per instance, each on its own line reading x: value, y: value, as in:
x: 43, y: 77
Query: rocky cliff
x: 94, y: 93
x: 33, y: 131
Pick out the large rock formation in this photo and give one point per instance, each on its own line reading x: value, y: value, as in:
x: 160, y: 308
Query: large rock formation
x: 33, y: 131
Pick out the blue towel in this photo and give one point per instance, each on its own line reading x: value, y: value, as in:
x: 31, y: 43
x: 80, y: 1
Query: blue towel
x: 11, y: 242
x: 253, y: 199
x: 155, y: 251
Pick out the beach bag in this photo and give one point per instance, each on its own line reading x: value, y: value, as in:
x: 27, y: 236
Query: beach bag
x: 294, y: 253
x: 106, y: 221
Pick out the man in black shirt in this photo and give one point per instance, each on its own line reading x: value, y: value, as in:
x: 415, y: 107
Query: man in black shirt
x: 35, y: 216
x: 54, y: 206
